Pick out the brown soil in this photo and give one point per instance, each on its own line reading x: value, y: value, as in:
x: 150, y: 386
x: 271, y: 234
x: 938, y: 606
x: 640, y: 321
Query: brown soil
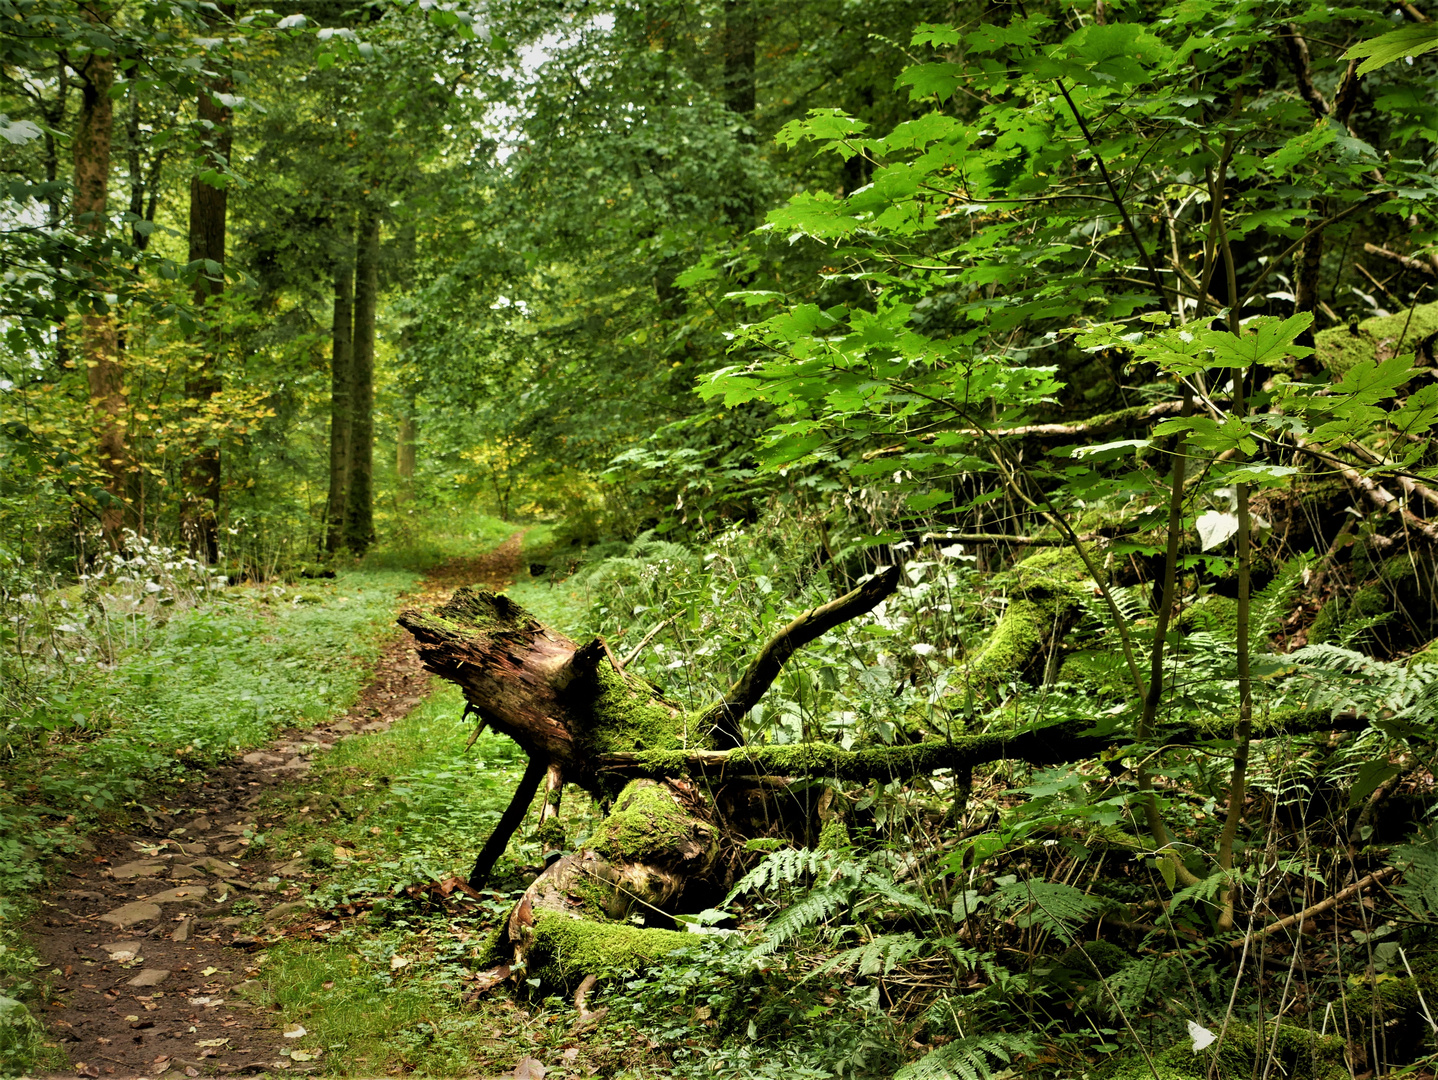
x: 145, y: 932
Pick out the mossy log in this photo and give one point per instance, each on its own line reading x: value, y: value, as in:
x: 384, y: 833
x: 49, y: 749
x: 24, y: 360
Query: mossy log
x: 1049, y: 744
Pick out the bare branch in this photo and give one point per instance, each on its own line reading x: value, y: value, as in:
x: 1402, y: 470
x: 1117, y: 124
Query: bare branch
x: 745, y: 694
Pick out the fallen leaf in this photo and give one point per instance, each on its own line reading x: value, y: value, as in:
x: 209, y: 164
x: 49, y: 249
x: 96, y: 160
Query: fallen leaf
x: 212, y: 1042
x: 301, y: 1055
x: 295, y: 1031
x: 209, y: 971
x: 131, y: 1019
x: 397, y: 962
x: 529, y: 1069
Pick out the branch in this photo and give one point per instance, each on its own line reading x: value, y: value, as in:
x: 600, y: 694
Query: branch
x: 1405, y: 261
x: 1299, y: 917
x: 745, y: 693
x: 1050, y: 744
x: 1098, y: 425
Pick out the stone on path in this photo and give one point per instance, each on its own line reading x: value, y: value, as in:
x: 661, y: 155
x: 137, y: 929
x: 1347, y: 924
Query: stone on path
x: 218, y: 867
x: 182, y: 932
x: 150, y: 977
x: 185, y: 870
x: 122, y: 951
x: 290, y: 910
x: 130, y: 914
x: 185, y: 894
x: 262, y: 757
x: 142, y: 868
x: 292, y: 869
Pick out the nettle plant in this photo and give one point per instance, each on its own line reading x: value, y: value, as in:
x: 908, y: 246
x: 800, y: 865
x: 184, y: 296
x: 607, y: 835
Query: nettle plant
x: 1144, y: 206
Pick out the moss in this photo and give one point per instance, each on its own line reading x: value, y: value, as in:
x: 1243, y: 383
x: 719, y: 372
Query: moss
x: 550, y: 834
x: 647, y: 824
x: 1340, y: 349
x: 565, y: 949
x: 1045, y: 591
x: 1392, y: 1003
x: 1212, y: 614
x: 629, y: 715
x: 834, y: 836
x: 1299, y: 1054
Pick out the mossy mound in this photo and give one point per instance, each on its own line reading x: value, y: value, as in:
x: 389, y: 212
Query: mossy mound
x: 648, y: 825
x: 565, y: 949
x: 1046, y: 592
x: 1299, y: 1054
x: 1378, y: 338
x: 1394, y: 1004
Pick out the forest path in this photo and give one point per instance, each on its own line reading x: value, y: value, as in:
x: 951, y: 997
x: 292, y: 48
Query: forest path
x: 144, y: 934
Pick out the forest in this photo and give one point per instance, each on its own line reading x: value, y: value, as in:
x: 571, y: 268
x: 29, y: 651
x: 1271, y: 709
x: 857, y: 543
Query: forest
x: 719, y: 538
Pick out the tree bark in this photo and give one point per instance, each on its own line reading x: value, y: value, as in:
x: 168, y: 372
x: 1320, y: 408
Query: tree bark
x: 99, y: 339
x: 200, y: 510
x: 341, y: 376
x: 359, y: 496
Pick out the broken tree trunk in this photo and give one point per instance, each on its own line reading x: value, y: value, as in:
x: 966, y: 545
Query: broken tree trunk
x: 571, y: 705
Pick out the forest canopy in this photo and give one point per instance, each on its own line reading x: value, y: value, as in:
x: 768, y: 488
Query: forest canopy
x: 974, y: 472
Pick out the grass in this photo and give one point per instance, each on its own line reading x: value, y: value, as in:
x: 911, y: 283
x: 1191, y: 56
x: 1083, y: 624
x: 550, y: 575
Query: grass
x: 405, y: 808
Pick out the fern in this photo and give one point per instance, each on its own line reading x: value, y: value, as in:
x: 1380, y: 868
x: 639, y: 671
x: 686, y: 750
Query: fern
x: 817, y: 906
x: 1050, y: 905
x: 1419, y: 890
x: 1343, y: 679
x: 1273, y: 603
x: 878, y: 957
x: 1130, y: 603
x: 967, y: 1059
x: 784, y: 867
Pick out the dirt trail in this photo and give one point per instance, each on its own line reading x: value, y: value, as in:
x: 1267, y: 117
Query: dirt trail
x: 148, y: 954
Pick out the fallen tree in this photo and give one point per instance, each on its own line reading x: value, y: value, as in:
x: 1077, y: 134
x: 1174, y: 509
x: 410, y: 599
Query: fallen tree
x: 681, y: 787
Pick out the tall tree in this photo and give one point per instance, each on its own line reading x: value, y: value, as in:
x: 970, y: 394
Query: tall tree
x: 359, y: 496
x: 341, y: 378
x: 208, y: 203
x: 94, y: 131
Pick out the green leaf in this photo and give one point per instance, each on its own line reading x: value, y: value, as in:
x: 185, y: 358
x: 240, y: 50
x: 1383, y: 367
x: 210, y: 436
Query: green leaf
x: 1407, y: 41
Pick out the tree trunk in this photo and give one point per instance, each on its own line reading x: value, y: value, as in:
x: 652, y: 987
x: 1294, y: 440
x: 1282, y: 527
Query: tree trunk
x: 200, y: 510
x: 359, y: 497
x: 405, y: 451
x: 99, y: 340
x: 741, y: 32
x: 341, y: 377
x: 572, y: 708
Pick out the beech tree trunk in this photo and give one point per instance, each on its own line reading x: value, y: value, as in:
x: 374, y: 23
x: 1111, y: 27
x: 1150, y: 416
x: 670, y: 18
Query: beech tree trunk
x: 359, y: 494
x: 200, y: 510
x: 341, y: 376
x: 99, y: 337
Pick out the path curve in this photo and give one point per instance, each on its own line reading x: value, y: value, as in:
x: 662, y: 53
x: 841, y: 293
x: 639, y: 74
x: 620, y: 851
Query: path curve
x: 149, y: 964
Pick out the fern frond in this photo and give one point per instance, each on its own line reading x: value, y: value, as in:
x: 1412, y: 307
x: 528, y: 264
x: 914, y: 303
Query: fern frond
x: 878, y: 957
x: 1420, y: 879
x: 1274, y: 601
x: 818, y: 906
x: 1050, y: 905
x: 967, y: 1059
x: 784, y: 867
